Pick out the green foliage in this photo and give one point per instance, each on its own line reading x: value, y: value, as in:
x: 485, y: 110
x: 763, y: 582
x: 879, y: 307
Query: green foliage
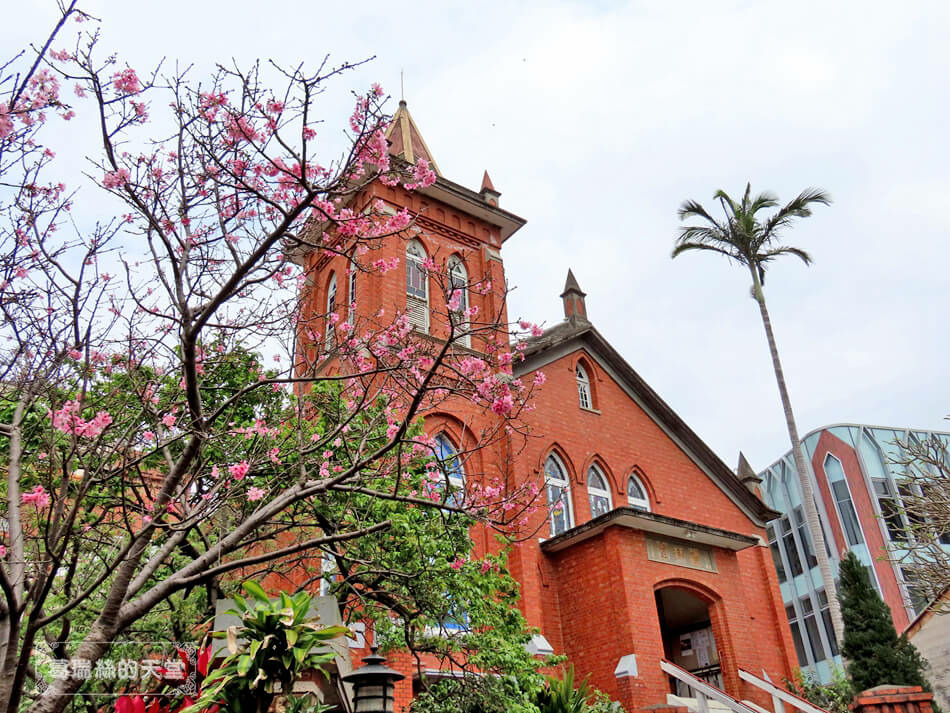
x: 874, y: 652
x: 741, y: 235
x: 834, y: 697
x: 280, y: 642
x: 485, y: 694
x: 561, y: 696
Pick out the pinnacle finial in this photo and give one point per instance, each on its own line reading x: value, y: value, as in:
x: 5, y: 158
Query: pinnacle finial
x: 570, y: 285
x: 573, y: 296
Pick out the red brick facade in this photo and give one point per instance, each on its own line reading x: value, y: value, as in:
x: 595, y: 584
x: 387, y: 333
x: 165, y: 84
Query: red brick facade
x: 595, y: 597
x: 828, y: 443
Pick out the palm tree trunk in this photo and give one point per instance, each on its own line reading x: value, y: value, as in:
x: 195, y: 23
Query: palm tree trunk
x: 808, y: 496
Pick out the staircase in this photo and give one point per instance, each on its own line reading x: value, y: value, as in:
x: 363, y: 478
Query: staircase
x: 709, y: 699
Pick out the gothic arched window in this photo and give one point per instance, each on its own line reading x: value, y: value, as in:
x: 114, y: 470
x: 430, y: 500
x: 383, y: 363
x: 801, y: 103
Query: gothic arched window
x: 598, y: 492
x: 583, y: 388
x: 558, y: 494
x: 458, y: 297
x: 330, y: 341
x: 637, y: 494
x: 417, y: 286
x: 451, y: 467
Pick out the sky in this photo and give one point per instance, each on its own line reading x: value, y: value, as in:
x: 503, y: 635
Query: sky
x: 597, y: 119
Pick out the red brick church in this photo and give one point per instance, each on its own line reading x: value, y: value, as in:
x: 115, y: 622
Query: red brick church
x: 651, y: 547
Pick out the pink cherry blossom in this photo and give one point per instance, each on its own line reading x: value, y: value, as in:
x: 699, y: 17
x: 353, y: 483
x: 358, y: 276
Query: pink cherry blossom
x: 458, y: 563
x: 148, y: 436
x: 38, y: 497
x: 239, y: 470
x: 126, y: 81
x: 115, y: 179
x: 254, y: 493
x: 168, y: 420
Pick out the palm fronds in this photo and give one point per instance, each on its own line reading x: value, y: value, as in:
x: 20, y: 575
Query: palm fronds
x: 740, y: 235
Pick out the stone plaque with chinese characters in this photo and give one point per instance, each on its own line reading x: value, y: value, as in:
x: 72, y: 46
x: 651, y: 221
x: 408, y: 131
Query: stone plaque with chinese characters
x: 680, y: 553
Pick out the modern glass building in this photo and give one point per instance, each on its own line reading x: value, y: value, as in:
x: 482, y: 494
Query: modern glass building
x: 856, y: 475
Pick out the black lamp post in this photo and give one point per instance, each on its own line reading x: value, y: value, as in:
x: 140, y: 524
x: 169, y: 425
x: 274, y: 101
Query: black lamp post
x: 373, y: 685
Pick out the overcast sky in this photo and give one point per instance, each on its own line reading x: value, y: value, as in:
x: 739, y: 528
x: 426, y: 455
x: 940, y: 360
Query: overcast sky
x: 597, y: 119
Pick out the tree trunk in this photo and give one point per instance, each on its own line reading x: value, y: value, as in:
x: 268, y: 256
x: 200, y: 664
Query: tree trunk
x: 808, y: 495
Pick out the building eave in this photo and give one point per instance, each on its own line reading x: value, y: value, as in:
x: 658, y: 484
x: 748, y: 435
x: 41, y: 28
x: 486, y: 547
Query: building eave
x: 472, y: 203
x: 634, y: 519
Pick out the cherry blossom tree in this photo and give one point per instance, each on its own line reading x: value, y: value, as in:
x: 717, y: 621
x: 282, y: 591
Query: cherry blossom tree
x: 149, y: 448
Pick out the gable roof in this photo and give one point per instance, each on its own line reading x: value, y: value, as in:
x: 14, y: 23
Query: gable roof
x: 568, y: 336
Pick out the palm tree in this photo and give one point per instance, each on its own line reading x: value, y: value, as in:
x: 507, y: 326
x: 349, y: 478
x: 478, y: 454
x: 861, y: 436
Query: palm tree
x: 753, y: 242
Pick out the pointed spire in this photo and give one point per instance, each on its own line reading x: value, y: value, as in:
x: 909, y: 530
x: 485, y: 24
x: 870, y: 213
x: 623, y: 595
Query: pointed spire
x: 488, y: 192
x: 405, y: 140
x: 745, y: 473
x: 574, y: 306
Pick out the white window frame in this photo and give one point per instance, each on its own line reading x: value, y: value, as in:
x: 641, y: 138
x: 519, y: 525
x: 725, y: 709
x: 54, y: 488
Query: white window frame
x: 417, y: 306
x: 458, y: 280
x: 329, y: 340
x: 633, y: 501
x: 838, y: 509
x: 351, y: 293
x: 455, y: 478
x: 559, y: 479
x: 594, y: 491
x: 584, y: 397
x: 327, y: 572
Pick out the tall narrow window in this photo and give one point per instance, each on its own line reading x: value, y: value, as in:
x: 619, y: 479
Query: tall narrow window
x: 637, y: 494
x: 583, y: 388
x: 458, y: 298
x: 796, y: 635
x: 330, y: 339
x: 788, y: 544
x: 327, y: 573
x: 826, y: 621
x: 839, y: 485
x: 776, y: 554
x: 558, y: 493
x: 890, y: 511
x: 805, y: 537
x: 451, y: 469
x: 597, y: 492
x: 811, y: 627
x: 417, y: 286
x: 351, y: 294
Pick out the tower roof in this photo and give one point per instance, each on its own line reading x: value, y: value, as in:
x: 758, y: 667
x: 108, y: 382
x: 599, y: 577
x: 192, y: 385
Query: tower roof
x: 571, y: 286
x: 405, y: 140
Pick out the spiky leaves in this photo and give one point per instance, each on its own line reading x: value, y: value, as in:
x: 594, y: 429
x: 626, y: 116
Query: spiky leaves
x: 741, y: 234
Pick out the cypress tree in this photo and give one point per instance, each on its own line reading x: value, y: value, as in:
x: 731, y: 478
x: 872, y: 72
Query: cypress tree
x: 874, y: 653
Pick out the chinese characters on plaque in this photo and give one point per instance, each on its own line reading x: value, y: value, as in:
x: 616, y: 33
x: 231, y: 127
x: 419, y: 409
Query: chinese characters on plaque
x: 680, y: 553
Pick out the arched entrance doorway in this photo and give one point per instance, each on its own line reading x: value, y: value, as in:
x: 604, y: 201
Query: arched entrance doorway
x: 688, y: 639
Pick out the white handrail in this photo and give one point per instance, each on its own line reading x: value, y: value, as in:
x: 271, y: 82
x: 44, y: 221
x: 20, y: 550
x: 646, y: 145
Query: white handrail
x: 780, y: 695
x: 703, y: 690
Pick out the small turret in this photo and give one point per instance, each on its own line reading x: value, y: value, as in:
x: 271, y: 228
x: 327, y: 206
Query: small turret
x: 747, y: 475
x: 488, y: 192
x: 574, y: 306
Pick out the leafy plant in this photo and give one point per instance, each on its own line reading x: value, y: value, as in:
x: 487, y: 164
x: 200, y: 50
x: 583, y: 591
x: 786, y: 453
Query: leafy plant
x: 560, y: 696
x: 280, y: 641
x: 834, y: 697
